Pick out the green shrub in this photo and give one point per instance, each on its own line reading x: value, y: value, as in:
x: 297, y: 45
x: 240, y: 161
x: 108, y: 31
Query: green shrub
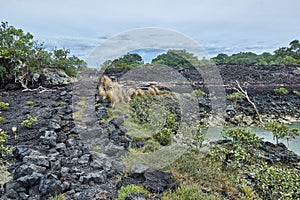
x: 235, y: 96
x: 172, y: 122
x: 188, y: 192
x: 281, y: 130
x: 29, y: 121
x: 273, y: 182
x: 281, y: 91
x: 240, y: 135
x: 3, y: 105
x: 163, y: 136
x: 151, y: 146
x: 3, y: 137
x: 30, y: 103
x: 59, y: 197
x: 126, y: 190
x: 199, y: 93
x: 2, y: 119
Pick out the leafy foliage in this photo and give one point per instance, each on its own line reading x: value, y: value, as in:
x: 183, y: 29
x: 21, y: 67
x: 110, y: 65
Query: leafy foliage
x: 163, y: 136
x: 277, y: 183
x: 29, y: 121
x: 21, y: 56
x: 126, y: 190
x: 281, y: 130
x: 240, y: 136
x: 127, y: 61
x: 3, y: 105
x: 235, y: 96
x: 281, y: 91
x: 182, y: 58
x: 3, y: 138
x: 282, y: 56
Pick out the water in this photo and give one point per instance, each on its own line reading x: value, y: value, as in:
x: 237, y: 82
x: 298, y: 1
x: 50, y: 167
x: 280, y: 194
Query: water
x: 214, y: 133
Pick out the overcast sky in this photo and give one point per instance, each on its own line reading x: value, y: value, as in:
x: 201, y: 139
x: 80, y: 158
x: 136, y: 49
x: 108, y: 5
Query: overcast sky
x: 227, y: 26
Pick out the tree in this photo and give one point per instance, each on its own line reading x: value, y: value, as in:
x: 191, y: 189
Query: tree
x: 280, y: 130
x: 21, y: 56
x: 174, y: 58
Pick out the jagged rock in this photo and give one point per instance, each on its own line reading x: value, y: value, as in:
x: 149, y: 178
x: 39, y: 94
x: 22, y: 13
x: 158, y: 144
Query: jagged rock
x: 54, y: 77
x: 117, y: 121
x: 20, y: 152
x: 49, y: 138
x: 50, y: 185
x: 54, y: 126
x: 30, y: 180
x: 38, y: 160
x: 93, y: 177
x: 139, y: 170
x: 27, y: 169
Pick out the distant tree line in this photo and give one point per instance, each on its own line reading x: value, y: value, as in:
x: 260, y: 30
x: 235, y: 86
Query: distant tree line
x: 282, y: 56
x: 21, y: 56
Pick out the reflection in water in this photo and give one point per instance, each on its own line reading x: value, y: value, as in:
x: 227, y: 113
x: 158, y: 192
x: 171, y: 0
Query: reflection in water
x: 293, y: 144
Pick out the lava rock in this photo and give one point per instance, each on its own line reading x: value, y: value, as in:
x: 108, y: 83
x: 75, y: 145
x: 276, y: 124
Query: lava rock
x: 38, y: 160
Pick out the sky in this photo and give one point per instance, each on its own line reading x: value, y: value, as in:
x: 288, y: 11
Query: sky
x: 219, y: 26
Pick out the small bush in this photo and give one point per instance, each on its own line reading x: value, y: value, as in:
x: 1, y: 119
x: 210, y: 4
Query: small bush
x: 281, y: 91
x: 59, y: 197
x: 163, y: 136
x: 30, y: 103
x: 3, y: 105
x: 126, y: 190
x: 151, y: 146
x: 235, y: 96
x: 3, y: 138
x: 2, y: 119
x: 29, y: 121
x: 240, y: 135
x: 281, y: 130
x: 199, y: 93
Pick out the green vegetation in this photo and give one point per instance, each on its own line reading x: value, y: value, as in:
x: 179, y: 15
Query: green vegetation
x: 3, y: 105
x: 163, y: 136
x: 179, y: 58
x: 30, y: 103
x: 199, y: 93
x: 79, y: 113
x: 127, y: 61
x: 188, y: 192
x: 59, y: 197
x: 2, y: 119
x: 281, y: 130
x: 126, y: 190
x: 281, y: 91
x: 21, y: 56
x: 282, y: 56
x: 29, y: 121
x: 3, y: 137
x: 235, y: 96
x: 277, y: 183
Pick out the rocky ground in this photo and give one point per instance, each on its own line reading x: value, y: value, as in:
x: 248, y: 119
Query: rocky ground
x: 81, y: 159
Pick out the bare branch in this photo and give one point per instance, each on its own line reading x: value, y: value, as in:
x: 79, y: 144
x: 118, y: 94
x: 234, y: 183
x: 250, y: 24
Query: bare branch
x: 245, y: 94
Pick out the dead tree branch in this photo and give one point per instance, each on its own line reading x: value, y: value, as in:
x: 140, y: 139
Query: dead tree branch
x: 245, y: 94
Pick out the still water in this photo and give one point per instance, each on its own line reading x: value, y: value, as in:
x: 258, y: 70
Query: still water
x: 215, y: 133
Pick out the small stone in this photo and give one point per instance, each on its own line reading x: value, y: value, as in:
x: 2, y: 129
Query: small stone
x: 64, y: 171
x: 49, y: 138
